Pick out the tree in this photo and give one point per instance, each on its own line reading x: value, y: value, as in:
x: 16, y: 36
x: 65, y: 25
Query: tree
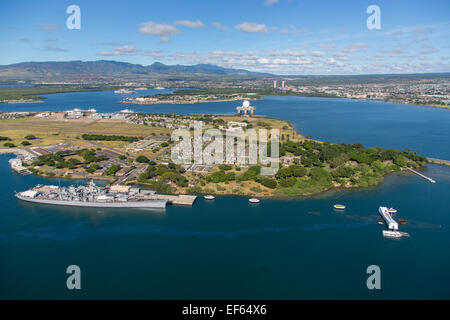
x: 318, y: 174
x: 269, y: 183
x: 298, y: 171
x: 112, y: 170
x: 9, y: 145
x: 142, y: 159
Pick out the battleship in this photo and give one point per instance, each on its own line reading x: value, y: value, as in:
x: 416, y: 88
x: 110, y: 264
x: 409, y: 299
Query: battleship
x: 116, y: 196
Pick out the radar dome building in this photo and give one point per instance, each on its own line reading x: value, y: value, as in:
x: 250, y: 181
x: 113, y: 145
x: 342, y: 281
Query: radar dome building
x: 246, y: 109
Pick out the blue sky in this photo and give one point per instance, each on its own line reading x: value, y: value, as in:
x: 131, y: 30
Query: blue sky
x: 284, y: 36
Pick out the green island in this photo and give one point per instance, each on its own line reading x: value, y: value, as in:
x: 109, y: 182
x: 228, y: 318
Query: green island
x: 137, y: 151
x: 17, y: 94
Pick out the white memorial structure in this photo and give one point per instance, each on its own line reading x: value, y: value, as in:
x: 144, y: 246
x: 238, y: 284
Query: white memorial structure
x: 245, y: 109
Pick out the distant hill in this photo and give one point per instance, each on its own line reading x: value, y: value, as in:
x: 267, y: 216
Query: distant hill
x: 104, y: 68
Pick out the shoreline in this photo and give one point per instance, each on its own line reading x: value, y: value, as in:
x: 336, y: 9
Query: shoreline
x: 279, y: 197
x: 288, y: 197
x: 40, y: 99
x: 288, y: 95
x: 112, y: 180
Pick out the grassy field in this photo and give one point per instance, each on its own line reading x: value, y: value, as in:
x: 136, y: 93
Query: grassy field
x: 284, y: 126
x: 51, y: 131
x: 56, y: 130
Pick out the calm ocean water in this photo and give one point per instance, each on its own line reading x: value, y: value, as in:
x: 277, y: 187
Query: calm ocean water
x: 296, y: 248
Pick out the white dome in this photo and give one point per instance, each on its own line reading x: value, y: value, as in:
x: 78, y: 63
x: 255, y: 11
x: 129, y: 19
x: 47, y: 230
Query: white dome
x: 246, y: 103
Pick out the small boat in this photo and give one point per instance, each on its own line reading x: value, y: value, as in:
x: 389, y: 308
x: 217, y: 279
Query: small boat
x: 402, y: 221
x: 392, y: 211
x: 339, y: 207
x: 253, y: 200
x: 392, y: 234
x: 209, y: 197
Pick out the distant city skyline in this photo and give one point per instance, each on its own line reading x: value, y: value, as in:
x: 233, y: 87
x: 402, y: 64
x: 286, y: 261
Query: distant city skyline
x: 297, y: 37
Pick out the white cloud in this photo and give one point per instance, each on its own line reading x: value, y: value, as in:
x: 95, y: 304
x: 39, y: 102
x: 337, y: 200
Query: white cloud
x: 189, y: 24
x: 423, y: 30
x: 263, y: 60
x: 429, y: 51
x: 292, y: 30
x: 122, y: 51
x: 326, y: 46
x: 340, y: 56
x: 317, y: 54
x: 157, y: 29
x: 157, y: 54
x: 54, y: 48
x: 270, y: 2
x: 48, y: 27
x: 219, y: 26
x: 116, y: 43
x: 397, y: 50
x: 164, y: 39
x: 356, y: 47
x: 251, y: 27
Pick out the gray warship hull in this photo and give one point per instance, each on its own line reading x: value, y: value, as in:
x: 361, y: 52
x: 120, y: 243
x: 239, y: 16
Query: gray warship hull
x: 157, y: 203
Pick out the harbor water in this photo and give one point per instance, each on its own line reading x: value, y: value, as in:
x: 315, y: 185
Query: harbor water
x: 228, y: 248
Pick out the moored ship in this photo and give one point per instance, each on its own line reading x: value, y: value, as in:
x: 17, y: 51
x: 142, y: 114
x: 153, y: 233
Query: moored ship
x: 93, y: 196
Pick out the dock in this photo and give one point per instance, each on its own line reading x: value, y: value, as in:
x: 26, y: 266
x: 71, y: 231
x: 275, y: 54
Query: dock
x: 421, y: 175
x: 181, y: 199
x: 17, y: 166
x: 390, y: 222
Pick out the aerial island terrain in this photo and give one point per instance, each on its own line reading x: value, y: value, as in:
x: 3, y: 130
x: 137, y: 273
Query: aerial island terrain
x: 127, y: 147
x: 133, y: 148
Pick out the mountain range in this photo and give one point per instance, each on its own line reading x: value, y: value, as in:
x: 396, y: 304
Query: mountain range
x: 53, y: 70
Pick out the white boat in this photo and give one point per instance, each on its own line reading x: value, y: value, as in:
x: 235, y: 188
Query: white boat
x: 253, y: 200
x: 339, y: 207
x: 209, y: 197
x: 392, y: 211
x: 159, y: 88
x: 392, y: 234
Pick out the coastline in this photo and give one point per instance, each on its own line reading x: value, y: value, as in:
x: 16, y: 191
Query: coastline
x: 261, y: 96
x: 287, y: 197
x: 305, y: 195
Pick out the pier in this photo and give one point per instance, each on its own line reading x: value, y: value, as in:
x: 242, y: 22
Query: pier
x: 421, y: 175
x: 390, y: 222
x: 181, y: 199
